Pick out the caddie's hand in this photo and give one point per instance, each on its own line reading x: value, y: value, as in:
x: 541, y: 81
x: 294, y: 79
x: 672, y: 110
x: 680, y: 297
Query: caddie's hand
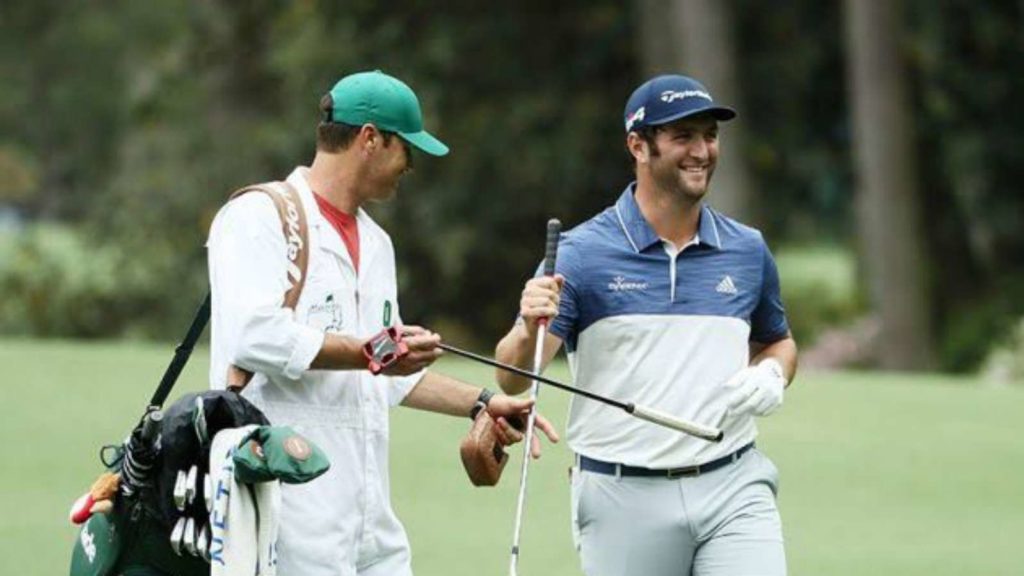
x: 756, y: 389
x: 510, y: 416
x: 423, y: 351
x: 540, y: 299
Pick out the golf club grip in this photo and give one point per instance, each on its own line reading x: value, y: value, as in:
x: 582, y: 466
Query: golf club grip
x: 551, y: 246
x: 699, y: 430
x: 151, y: 425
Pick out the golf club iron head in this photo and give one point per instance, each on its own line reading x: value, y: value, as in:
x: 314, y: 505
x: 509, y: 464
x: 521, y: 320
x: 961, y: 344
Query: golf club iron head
x: 189, y: 541
x: 177, y: 534
x: 199, y: 421
x: 179, y: 491
x: 190, y: 485
x: 208, y: 493
x: 203, y: 543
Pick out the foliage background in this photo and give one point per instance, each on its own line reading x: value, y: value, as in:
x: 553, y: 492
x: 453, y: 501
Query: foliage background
x: 124, y: 125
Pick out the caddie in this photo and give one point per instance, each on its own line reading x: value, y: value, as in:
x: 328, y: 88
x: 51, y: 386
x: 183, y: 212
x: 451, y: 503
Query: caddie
x: 309, y: 361
x: 663, y: 300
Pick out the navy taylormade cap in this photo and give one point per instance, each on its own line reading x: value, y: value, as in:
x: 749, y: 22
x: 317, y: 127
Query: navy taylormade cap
x: 663, y: 99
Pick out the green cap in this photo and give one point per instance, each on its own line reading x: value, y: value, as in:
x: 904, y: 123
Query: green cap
x: 278, y: 453
x: 387, y: 103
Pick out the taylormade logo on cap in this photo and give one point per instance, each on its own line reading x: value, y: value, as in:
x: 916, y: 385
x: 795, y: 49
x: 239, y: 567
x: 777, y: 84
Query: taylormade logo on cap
x: 670, y: 96
x: 664, y: 99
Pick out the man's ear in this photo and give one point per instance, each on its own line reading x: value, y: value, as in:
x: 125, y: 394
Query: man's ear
x: 369, y: 138
x: 638, y: 147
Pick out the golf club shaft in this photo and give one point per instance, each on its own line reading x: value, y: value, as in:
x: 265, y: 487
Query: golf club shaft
x: 554, y: 230
x: 651, y: 415
x: 538, y: 359
x: 537, y: 377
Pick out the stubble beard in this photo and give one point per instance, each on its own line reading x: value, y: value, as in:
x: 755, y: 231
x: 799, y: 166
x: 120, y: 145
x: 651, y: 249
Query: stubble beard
x: 674, y: 180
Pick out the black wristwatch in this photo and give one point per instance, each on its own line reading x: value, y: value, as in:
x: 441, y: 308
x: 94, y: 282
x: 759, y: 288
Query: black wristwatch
x: 481, y: 403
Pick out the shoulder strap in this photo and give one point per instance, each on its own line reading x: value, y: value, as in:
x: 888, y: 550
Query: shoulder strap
x: 296, y: 234
x: 181, y: 355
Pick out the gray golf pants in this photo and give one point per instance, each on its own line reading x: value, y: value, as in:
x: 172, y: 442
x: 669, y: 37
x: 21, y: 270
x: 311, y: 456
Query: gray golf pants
x: 723, y: 523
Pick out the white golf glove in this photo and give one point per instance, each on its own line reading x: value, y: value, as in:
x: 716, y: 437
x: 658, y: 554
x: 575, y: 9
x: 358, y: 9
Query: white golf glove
x: 756, y: 389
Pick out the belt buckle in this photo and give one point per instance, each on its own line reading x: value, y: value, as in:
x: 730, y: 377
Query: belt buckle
x: 685, y: 471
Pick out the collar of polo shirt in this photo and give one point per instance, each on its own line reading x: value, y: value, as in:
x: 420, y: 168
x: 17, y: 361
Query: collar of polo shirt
x: 640, y: 234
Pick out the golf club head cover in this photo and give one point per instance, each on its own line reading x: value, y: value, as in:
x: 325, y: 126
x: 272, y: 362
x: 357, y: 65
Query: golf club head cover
x: 482, y: 455
x: 99, y: 498
x: 384, y: 349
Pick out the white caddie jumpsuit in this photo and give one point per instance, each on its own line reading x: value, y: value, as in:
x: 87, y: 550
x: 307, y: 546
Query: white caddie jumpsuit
x: 340, y: 524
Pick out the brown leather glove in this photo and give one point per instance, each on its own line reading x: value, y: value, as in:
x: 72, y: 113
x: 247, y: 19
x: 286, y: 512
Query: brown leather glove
x: 482, y: 455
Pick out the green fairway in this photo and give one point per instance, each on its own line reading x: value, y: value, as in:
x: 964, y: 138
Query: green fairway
x: 881, y: 474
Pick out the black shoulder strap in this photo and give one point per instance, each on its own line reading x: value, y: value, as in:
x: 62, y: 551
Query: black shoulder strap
x: 181, y: 354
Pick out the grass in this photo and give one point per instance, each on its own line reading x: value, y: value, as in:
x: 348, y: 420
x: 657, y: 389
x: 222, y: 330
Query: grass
x: 881, y: 474
x: 829, y: 269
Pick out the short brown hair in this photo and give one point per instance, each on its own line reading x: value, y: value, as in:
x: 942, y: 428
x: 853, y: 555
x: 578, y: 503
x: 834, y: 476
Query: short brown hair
x: 647, y: 134
x: 331, y: 136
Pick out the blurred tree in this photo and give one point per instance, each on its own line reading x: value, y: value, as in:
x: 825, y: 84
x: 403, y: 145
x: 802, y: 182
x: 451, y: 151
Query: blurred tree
x: 695, y: 37
x: 791, y: 64
x: 966, y: 59
x: 134, y: 120
x: 60, y: 101
x: 893, y: 245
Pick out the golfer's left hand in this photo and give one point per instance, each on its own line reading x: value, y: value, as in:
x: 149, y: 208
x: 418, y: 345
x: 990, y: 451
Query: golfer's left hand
x: 505, y: 410
x: 756, y: 389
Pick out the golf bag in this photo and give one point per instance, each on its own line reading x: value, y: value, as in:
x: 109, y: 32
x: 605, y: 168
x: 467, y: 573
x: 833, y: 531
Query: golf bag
x: 161, y: 507
x: 159, y: 524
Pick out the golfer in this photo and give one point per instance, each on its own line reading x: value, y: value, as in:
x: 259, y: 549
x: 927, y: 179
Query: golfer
x: 310, y: 370
x: 662, y: 300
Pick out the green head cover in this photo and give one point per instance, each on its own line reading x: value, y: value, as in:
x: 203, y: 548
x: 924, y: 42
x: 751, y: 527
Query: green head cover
x: 387, y: 103
x: 97, y: 548
x: 278, y: 453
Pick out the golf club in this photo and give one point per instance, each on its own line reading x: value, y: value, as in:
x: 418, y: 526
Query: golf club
x: 702, y: 431
x: 550, y: 253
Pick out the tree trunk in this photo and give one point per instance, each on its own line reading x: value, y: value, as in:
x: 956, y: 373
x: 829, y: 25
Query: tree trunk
x: 695, y: 38
x: 657, y: 42
x: 889, y: 217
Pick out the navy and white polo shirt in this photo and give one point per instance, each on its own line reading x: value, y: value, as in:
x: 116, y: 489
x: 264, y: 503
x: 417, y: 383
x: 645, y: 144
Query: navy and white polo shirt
x: 644, y: 323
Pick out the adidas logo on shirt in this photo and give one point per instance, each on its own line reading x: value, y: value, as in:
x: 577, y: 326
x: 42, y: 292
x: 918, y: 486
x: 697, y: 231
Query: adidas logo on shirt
x: 726, y: 286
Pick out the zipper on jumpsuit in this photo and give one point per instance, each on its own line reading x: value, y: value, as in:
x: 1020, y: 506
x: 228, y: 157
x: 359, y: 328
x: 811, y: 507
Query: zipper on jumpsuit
x: 364, y: 503
x: 344, y: 260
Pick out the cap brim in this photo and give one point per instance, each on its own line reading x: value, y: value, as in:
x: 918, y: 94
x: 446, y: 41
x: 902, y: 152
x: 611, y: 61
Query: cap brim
x: 720, y: 113
x: 426, y: 142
